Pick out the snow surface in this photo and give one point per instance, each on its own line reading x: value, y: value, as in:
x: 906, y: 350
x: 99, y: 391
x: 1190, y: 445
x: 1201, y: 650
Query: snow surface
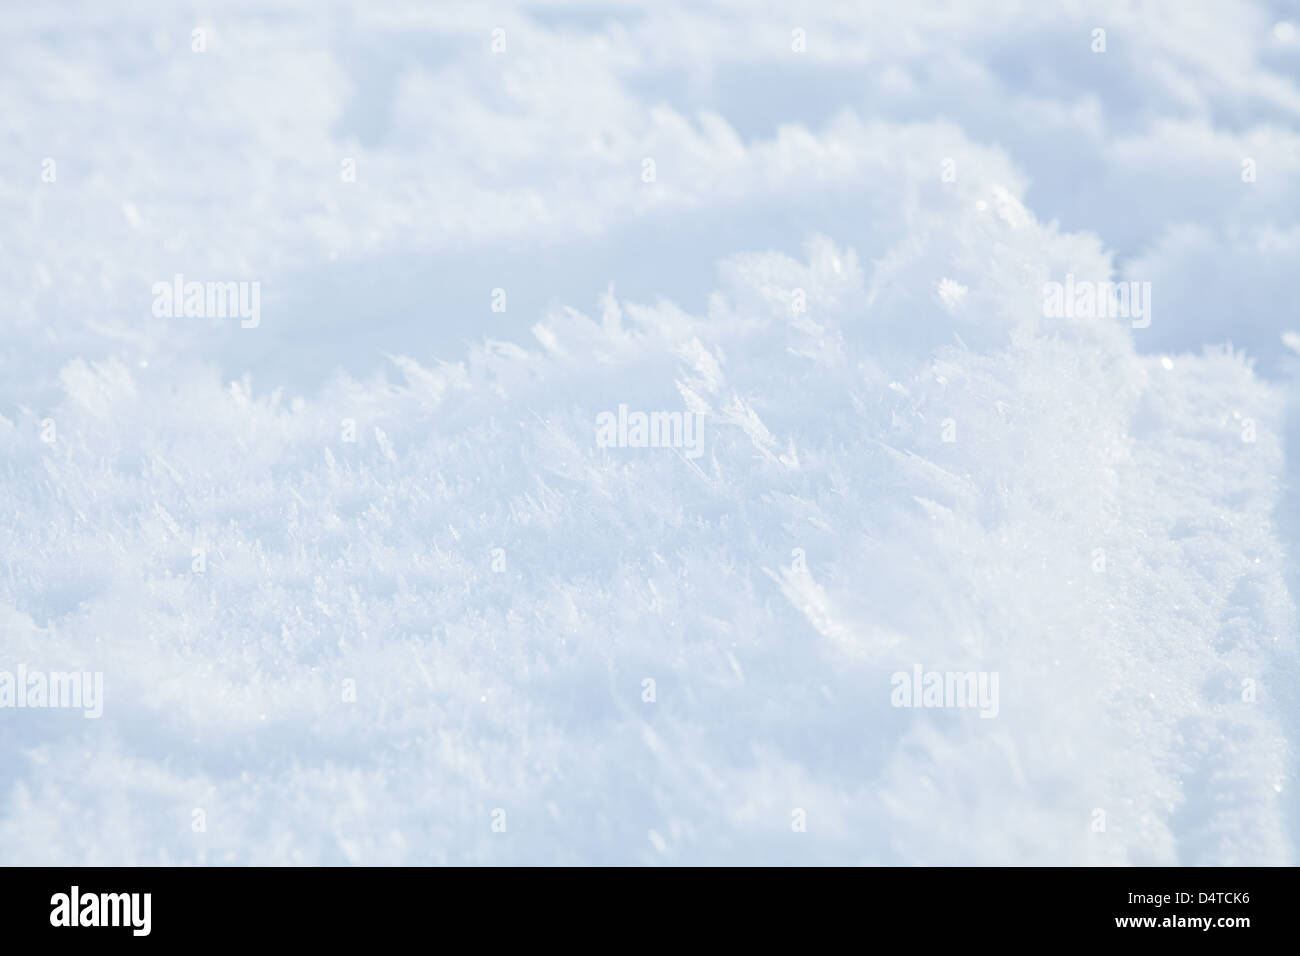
x: 497, y: 585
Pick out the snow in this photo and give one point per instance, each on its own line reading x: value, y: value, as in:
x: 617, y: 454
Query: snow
x: 363, y: 584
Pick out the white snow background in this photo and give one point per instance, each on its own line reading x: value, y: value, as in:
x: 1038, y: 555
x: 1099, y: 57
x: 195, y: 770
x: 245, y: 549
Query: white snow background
x: 827, y: 537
